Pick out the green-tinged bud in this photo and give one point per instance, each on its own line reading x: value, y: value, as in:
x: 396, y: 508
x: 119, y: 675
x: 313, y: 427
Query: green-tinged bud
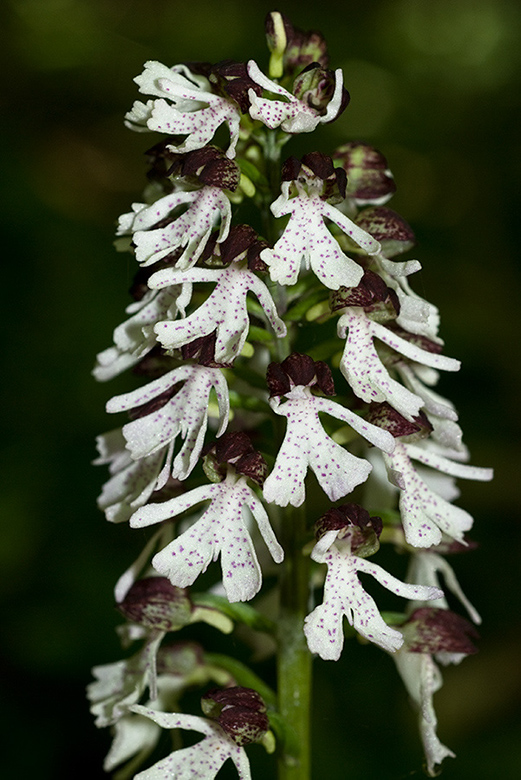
x: 277, y: 40
x: 297, y: 48
x: 316, y: 86
x: 241, y: 712
x: 387, y: 227
x: 155, y: 603
x: 432, y: 630
x: 369, y: 179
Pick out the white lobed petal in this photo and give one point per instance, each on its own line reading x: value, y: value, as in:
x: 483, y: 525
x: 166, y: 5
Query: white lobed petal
x: 224, y: 311
x: 344, y: 595
x: 424, y: 513
x: 306, y: 444
x: 307, y: 239
x: 365, y: 372
x: 222, y: 530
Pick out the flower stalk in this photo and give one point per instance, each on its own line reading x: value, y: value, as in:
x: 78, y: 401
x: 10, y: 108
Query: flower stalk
x: 294, y: 660
x: 265, y: 357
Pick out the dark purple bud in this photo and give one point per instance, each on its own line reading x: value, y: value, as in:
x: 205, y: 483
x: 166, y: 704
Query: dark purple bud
x: 387, y: 227
x: 370, y: 290
x: 317, y: 170
x: 233, y: 697
x: 315, y: 86
x: 300, y: 368
x: 320, y: 164
x: 291, y: 169
x: 244, y: 725
x: 232, y: 445
x: 155, y: 603
x: 235, y: 448
x: 368, y: 178
x: 210, y: 166
x: 253, y: 466
x: 241, y: 712
x: 384, y: 416
x: 324, y: 378
x: 278, y: 380
x: 231, y: 80
x: 236, y: 246
x: 255, y: 262
x: 334, y: 179
x: 161, y: 160
x: 353, y: 521
x: 432, y: 630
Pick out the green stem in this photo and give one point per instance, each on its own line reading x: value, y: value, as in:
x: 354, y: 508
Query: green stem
x: 294, y: 658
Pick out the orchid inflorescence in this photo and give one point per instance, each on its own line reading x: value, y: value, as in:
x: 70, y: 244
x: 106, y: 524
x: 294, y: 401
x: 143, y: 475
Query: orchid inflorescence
x: 244, y: 334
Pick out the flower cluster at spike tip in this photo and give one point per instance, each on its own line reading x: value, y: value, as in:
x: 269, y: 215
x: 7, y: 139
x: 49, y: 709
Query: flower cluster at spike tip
x: 242, y: 334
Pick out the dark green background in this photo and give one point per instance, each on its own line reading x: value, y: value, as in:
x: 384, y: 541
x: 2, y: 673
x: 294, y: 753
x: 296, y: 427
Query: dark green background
x: 436, y: 86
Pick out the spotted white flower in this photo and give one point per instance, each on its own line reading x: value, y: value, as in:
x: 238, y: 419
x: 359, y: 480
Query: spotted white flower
x: 202, y: 760
x: 135, y: 337
x: 344, y: 595
x: 306, y: 444
x: 224, y: 310
x: 190, y: 108
x: 184, y: 414
x: 425, y: 514
x: 207, y: 207
x: 291, y: 115
x: 222, y: 530
x: 365, y: 372
x: 306, y: 239
x: 131, y: 482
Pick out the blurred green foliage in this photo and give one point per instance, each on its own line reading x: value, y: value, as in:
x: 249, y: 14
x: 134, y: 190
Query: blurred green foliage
x: 436, y: 86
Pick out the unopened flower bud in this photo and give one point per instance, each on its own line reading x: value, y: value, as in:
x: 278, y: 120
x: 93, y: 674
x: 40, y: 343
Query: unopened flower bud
x: 241, y: 712
x: 432, y: 630
x: 387, y: 227
x: 369, y: 179
x: 316, y: 86
x: 155, y: 603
